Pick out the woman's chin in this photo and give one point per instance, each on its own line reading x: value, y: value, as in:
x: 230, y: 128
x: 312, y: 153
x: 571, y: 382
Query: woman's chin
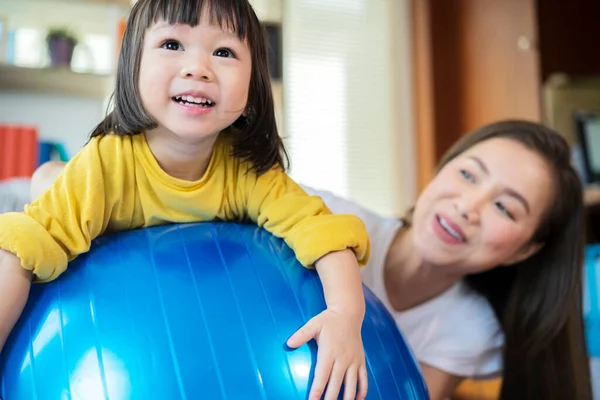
x: 441, y: 257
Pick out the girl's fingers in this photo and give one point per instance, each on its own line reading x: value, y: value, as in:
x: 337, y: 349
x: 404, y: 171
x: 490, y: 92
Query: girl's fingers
x: 322, y: 373
x: 335, y: 381
x: 363, y: 383
x: 350, y: 383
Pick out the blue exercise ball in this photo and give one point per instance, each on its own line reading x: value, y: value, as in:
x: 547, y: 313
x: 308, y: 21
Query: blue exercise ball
x: 192, y: 311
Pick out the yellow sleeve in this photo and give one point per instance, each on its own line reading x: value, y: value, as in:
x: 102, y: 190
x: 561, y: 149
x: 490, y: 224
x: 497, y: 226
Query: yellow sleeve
x: 277, y: 203
x: 63, y: 221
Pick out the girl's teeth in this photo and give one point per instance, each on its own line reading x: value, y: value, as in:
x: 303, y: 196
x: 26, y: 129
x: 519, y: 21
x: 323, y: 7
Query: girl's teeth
x: 194, y: 100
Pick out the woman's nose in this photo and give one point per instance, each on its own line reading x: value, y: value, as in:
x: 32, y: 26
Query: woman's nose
x: 469, y: 205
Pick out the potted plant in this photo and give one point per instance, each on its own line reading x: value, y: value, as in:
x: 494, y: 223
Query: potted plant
x: 61, y: 43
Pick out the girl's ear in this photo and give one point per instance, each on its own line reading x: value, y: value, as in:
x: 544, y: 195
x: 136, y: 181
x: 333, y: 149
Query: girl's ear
x: 526, y: 251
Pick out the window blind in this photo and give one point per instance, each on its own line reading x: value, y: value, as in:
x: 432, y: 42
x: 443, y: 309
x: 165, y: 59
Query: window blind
x: 345, y: 88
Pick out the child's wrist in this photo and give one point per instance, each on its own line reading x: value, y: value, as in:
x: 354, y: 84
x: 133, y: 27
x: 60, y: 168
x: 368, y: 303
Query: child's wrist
x: 354, y: 308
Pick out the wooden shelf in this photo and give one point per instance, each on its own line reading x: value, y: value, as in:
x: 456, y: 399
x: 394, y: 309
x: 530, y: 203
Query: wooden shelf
x: 55, y: 81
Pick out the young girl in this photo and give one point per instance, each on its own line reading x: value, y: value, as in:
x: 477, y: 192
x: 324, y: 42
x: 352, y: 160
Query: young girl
x: 192, y: 137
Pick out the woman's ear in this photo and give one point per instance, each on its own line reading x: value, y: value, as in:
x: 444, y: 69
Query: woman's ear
x: 526, y: 251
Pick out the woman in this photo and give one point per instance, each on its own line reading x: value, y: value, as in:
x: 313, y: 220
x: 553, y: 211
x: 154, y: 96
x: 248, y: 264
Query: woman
x: 484, y: 275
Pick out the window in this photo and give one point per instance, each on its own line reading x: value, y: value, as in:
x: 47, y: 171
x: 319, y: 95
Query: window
x: 347, y: 113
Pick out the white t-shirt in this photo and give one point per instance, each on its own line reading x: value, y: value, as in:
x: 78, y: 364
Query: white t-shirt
x: 456, y: 332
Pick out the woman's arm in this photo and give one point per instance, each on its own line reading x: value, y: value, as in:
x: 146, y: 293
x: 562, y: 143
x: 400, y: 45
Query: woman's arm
x: 440, y: 384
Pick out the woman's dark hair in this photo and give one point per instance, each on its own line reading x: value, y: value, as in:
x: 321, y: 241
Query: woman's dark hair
x: 256, y: 137
x: 539, y: 300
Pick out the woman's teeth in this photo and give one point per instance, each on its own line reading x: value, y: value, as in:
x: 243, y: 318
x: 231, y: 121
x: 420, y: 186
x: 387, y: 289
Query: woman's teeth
x: 449, y: 229
x: 193, y: 101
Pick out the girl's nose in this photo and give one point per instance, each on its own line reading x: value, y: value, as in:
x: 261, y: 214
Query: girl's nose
x: 198, y: 70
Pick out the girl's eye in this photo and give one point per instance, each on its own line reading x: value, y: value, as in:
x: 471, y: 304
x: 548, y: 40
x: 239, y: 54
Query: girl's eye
x: 227, y: 53
x: 467, y: 175
x: 504, y: 210
x: 172, y: 45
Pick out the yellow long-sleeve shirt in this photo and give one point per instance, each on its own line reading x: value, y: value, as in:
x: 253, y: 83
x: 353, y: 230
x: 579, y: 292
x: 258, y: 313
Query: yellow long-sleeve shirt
x: 114, y: 183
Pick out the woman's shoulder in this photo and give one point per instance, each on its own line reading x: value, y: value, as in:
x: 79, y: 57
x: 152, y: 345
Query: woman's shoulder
x: 457, y: 332
x: 382, y: 230
x: 338, y: 205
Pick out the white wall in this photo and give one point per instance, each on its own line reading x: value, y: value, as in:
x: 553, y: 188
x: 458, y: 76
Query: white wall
x: 82, y: 16
x: 94, y: 24
x: 268, y: 10
x: 65, y: 119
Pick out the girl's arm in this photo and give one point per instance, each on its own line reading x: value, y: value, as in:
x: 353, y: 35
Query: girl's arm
x: 77, y: 207
x: 60, y: 224
x: 14, y: 291
x: 342, y: 283
x: 335, y: 245
x: 341, y: 356
x: 278, y: 204
x: 441, y: 385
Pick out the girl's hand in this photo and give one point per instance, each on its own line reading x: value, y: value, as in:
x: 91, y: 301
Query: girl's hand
x: 340, y: 354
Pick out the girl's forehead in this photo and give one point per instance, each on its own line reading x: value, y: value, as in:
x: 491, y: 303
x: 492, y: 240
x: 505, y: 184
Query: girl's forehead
x: 236, y: 20
x: 205, y: 31
x: 164, y: 24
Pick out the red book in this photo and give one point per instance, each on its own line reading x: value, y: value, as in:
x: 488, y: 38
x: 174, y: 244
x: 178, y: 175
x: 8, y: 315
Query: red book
x: 10, y: 153
x: 19, y: 149
x: 3, y: 147
x: 28, y: 151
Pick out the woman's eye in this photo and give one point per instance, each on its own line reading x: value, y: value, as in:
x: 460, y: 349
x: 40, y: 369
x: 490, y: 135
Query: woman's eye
x: 172, y: 45
x: 504, y: 210
x: 467, y: 175
x: 227, y: 53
